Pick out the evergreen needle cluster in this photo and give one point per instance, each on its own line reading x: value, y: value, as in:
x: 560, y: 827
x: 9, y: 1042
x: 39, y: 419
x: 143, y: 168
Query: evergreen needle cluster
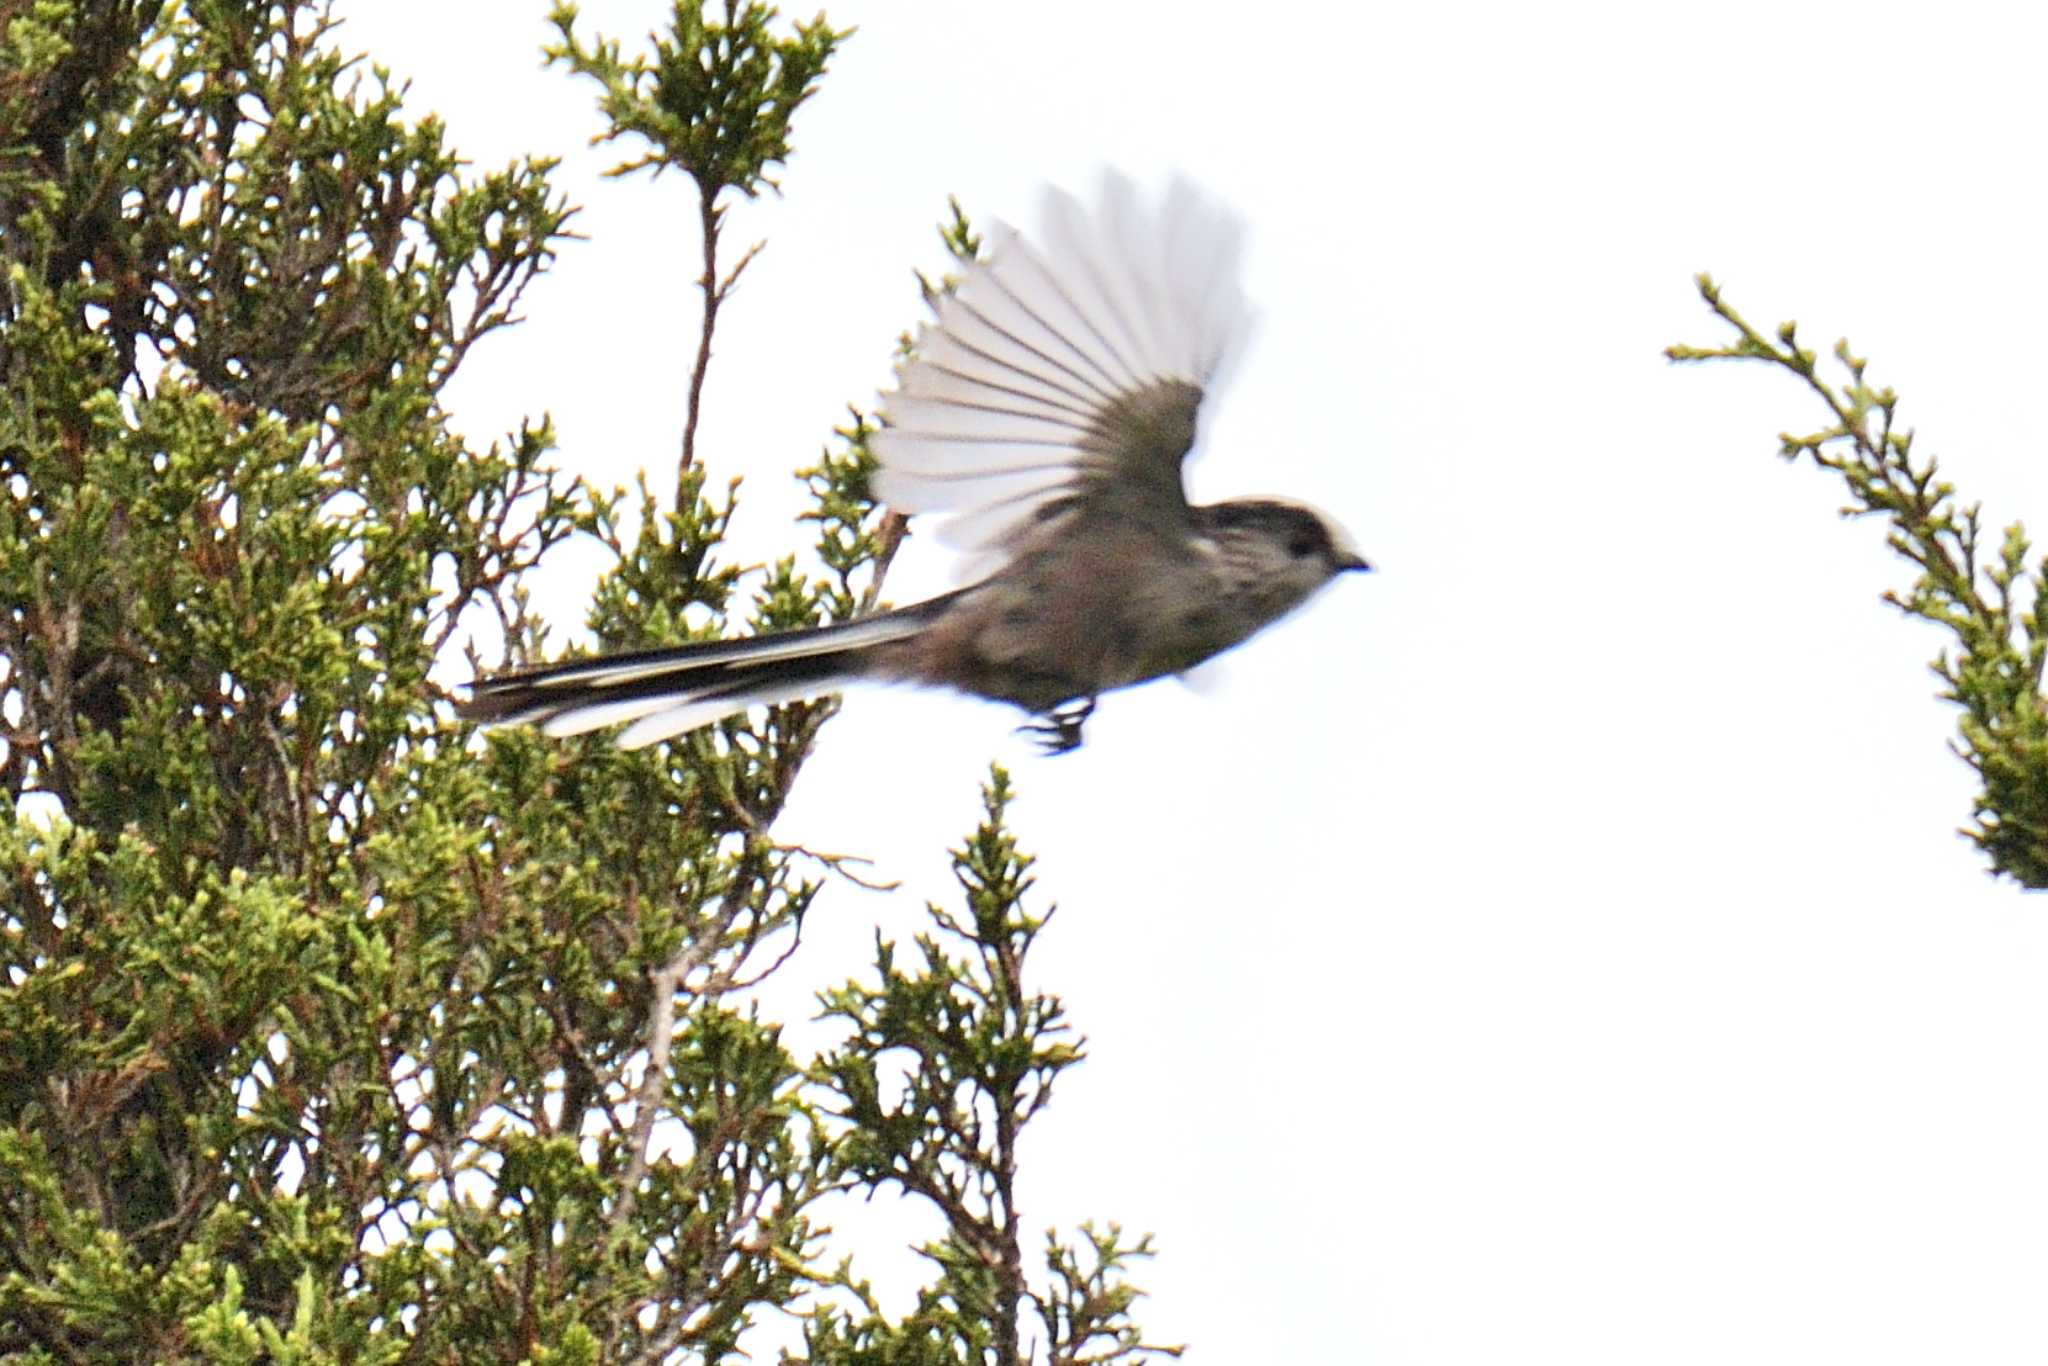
x: 330, y: 1032
x: 1988, y: 596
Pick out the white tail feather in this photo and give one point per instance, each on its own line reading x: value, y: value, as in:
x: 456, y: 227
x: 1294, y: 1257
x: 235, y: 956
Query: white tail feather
x: 666, y: 725
x: 598, y: 715
x: 609, y: 673
x: 676, y: 690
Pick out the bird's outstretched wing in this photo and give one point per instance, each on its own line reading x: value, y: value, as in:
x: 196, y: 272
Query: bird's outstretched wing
x: 1064, y: 376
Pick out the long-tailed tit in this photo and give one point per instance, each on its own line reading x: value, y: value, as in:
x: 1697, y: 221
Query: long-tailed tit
x: 1045, y: 413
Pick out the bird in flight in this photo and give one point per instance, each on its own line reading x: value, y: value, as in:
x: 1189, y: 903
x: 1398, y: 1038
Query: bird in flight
x: 1044, y: 414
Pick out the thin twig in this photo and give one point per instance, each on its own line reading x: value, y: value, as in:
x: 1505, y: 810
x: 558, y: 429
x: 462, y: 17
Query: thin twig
x: 709, y: 216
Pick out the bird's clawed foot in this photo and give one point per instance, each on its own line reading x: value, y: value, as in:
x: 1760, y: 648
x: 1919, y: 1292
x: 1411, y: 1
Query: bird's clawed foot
x: 1059, y: 730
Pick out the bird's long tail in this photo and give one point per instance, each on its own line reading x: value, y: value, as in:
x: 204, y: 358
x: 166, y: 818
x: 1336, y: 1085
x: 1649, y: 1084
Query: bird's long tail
x: 665, y: 692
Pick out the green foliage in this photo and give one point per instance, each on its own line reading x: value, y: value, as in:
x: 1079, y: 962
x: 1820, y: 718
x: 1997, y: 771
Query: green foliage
x: 716, y: 100
x: 982, y: 1053
x: 962, y: 243
x: 329, y: 1031
x: 714, y: 103
x: 1989, y: 597
x: 849, y: 539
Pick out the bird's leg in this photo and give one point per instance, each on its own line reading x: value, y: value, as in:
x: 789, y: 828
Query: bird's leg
x: 1059, y: 730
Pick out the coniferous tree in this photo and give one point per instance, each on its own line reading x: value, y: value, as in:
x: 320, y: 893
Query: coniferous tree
x: 329, y: 1032
x: 986, y: 1052
x: 1988, y: 596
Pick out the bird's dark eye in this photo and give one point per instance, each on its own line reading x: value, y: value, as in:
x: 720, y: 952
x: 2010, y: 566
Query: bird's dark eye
x: 1301, y: 546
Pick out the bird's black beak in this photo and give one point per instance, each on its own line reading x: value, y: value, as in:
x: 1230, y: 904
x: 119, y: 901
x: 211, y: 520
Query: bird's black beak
x: 1347, y: 562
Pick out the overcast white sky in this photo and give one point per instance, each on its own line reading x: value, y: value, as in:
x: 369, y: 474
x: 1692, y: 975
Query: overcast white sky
x: 1556, y: 947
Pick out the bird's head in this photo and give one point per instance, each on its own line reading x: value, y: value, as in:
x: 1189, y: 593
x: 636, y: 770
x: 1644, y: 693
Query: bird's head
x: 1292, y: 542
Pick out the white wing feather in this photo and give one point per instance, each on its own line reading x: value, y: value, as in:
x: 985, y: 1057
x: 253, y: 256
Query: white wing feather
x: 991, y: 415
